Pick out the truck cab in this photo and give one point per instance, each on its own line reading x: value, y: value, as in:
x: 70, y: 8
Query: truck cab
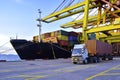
x: 79, y: 54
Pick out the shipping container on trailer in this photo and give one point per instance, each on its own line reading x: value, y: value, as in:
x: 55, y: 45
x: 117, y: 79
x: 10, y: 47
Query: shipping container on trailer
x: 116, y: 49
x: 96, y: 47
x: 91, y: 51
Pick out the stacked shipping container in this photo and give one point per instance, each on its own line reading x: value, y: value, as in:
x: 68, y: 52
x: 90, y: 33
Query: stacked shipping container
x: 64, y: 38
x: 92, y: 36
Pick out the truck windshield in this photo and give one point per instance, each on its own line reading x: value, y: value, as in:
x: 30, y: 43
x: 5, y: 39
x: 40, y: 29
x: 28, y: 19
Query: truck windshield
x: 76, y: 51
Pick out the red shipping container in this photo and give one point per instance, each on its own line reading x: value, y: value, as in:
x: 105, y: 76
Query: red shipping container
x: 63, y: 43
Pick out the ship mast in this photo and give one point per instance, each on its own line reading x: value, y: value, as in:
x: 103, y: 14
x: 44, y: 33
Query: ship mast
x: 39, y: 25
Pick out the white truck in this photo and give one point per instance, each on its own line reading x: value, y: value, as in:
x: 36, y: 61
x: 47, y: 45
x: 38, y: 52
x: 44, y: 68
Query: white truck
x: 91, y: 51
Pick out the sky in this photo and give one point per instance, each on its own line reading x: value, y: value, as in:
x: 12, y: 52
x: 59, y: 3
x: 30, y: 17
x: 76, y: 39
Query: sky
x: 18, y: 18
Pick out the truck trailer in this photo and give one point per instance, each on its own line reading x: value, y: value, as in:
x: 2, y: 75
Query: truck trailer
x: 91, y: 51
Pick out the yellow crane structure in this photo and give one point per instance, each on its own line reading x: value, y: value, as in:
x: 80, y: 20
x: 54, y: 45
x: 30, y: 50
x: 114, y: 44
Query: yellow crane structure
x: 105, y: 23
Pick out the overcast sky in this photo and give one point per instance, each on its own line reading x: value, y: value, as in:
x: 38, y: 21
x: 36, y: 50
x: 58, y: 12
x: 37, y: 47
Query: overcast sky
x: 18, y: 17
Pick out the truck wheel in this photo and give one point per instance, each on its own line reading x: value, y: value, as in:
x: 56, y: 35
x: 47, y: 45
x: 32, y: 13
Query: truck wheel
x: 95, y: 59
x: 110, y: 57
x: 74, y: 62
x: 85, y: 61
x: 98, y: 59
x: 104, y: 58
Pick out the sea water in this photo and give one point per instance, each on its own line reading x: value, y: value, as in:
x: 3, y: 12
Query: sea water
x: 9, y: 57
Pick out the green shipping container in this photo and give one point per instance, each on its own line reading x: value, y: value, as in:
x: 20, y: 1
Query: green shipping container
x: 61, y: 32
x: 62, y: 37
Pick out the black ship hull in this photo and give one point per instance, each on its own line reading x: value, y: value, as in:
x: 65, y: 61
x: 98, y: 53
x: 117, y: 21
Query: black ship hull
x: 32, y: 50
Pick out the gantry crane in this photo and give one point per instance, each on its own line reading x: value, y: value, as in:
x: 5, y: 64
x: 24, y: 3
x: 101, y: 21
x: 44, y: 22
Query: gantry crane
x: 105, y: 23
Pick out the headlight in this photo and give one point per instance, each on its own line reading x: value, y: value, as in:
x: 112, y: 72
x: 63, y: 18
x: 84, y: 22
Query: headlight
x: 75, y: 59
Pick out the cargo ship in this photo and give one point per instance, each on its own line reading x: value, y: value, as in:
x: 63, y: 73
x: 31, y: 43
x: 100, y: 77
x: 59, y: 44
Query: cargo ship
x: 56, y: 44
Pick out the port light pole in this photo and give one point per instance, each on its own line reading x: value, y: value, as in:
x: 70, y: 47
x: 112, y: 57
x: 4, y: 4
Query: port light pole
x: 39, y: 25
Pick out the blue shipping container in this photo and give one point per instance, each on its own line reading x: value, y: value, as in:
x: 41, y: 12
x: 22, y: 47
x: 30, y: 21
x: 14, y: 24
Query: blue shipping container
x: 73, y: 38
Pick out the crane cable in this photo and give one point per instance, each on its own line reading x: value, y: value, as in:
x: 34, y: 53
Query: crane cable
x: 60, y: 48
x: 8, y: 50
x: 79, y: 14
x: 59, y: 6
x: 79, y: 1
x: 4, y: 44
x: 64, y: 2
x: 28, y: 44
x: 70, y: 3
x: 83, y: 13
x: 18, y: 47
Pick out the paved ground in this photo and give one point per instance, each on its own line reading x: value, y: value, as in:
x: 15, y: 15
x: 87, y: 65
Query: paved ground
x: 60, y: 69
